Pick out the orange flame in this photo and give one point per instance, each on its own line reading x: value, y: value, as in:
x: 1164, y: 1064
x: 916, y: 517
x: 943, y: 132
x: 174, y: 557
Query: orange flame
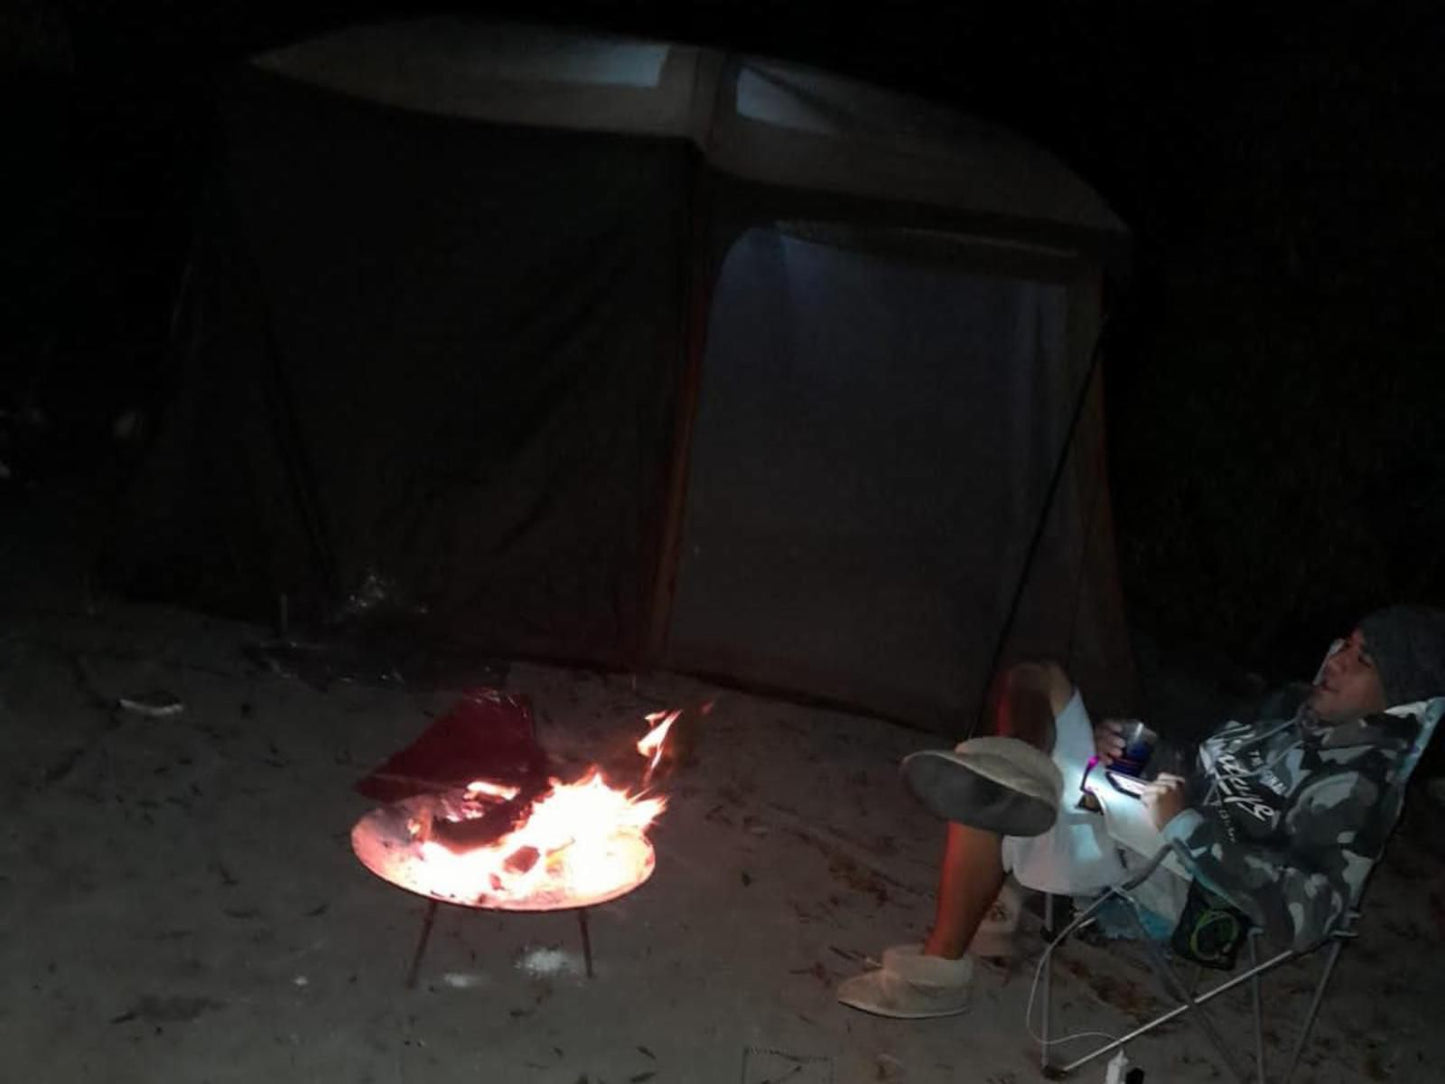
x: 479, y: 788
x: 581, y: 840
x: 651, y: 743
x: 581, y: 843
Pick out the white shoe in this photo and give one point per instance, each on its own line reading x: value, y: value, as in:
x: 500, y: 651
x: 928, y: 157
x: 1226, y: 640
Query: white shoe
x: 911, y: 986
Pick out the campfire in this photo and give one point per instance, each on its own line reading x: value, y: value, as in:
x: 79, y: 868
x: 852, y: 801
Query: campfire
x: 508, y: 847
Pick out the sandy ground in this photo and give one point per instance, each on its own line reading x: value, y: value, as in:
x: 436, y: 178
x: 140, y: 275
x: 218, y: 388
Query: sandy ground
x: 180, y: 902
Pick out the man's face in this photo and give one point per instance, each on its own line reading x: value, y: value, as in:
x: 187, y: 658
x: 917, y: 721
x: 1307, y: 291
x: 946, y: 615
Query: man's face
x: 1349, y: 685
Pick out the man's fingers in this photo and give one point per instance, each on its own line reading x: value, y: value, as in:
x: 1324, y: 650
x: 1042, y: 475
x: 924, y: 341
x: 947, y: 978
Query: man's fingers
x: 1169, y: 779
x: 1108, y: 741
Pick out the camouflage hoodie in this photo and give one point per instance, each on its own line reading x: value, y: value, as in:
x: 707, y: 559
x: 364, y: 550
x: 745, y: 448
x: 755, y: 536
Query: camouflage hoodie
x: 1288, y: 815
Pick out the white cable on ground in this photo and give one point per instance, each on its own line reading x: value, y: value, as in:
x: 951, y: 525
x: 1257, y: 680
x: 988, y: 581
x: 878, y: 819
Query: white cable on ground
x: 1029, y: 1009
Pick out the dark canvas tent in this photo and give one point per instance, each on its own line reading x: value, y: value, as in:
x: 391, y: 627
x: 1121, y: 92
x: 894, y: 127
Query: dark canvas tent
x: 630, y: 352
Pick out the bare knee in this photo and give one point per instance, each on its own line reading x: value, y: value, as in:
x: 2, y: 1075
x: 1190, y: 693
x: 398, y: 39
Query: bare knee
x: 1025, y: 700
x: 1045, y: 676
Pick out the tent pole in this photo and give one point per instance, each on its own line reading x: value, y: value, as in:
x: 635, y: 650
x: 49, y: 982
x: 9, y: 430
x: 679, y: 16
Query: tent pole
x: 694, y: 335
x: 1095, y: 357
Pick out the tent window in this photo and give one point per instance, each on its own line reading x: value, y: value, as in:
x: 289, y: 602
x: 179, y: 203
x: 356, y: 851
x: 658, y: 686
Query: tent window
x: 530, y: 56
x: 763, y: 96
x: 810, y: 101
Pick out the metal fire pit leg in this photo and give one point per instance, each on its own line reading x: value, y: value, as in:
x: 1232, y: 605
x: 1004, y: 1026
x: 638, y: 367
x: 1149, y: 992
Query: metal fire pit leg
x: 426, y: 925
x: 586, y: 939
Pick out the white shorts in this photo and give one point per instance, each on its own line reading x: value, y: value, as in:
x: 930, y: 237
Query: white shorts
x: 1077, y: 857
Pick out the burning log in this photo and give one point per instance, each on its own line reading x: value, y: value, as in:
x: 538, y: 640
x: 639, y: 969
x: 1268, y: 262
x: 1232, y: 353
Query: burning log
x: 463, y: 834
x: 522, y: 859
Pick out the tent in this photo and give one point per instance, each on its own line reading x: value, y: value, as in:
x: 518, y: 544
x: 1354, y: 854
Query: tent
x: 633, y: 353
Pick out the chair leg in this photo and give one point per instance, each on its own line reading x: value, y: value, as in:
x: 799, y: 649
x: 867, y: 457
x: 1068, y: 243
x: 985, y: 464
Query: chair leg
x: 1176, y: 989
x: 1044, y: 1047
x: 1304, y: 1035
x: 1172, y: 1014
x: 1258, y: 1012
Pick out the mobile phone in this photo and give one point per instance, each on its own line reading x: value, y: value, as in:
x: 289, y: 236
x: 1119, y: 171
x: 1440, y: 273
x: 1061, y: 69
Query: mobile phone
x: 1131, y: 785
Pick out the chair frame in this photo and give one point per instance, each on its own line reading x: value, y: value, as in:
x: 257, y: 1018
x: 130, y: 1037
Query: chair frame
x: 1176, y: 989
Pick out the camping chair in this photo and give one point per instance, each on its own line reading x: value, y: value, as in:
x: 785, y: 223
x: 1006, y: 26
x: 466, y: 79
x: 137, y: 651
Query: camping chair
x: 1184, y: 994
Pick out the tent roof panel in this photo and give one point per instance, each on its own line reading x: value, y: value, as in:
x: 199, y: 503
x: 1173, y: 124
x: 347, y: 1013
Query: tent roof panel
x: 503, y: 74
x: 758, y: 119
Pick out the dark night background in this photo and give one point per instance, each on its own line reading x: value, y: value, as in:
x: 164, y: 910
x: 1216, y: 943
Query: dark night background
x: 1273, y: 365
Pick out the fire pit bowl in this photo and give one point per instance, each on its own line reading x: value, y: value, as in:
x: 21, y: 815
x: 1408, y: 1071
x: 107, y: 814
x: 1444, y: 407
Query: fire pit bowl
x: 516, y: 873
x: 538, y: 844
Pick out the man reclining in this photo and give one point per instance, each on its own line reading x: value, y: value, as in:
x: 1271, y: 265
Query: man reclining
x: 1282, y: 816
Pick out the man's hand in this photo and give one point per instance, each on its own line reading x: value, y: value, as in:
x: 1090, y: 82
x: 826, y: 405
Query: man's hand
x: 1109, y: 741
x: 1164, y: 799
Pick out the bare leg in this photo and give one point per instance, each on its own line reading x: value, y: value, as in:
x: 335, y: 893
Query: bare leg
x: 968, y: 884
x: 1026, y: 701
